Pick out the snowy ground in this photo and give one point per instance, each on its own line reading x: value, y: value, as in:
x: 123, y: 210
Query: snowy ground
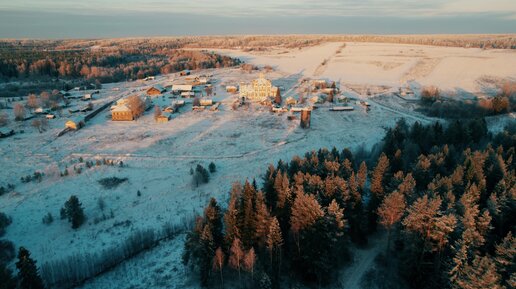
x: 374, y: 64
x: 159, y: 156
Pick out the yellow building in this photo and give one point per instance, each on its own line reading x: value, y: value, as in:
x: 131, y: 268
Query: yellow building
x: 259, y: 89
x: 122, y: 113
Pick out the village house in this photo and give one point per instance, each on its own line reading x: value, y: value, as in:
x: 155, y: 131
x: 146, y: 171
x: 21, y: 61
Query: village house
x: 179, y: 88
x: 259, y: 89
x: 156, y: 90
x: 122, y: 113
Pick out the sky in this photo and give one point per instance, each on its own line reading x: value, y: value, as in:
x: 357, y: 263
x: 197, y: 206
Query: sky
x: 126, y: 18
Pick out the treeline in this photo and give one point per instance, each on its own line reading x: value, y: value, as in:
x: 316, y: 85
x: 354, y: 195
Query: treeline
x: 434, y: 104
x: 104, y: 64
x: 445, y: 195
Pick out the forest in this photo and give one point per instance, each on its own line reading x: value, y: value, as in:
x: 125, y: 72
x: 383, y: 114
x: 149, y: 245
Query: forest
x: 442, y: 197
x: 46, y: 66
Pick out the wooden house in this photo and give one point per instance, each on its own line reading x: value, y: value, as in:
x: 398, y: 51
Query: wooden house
x: 156, y: 90
x: 122, y: 113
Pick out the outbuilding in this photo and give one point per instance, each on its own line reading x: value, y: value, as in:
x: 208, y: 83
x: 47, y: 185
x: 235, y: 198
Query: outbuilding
x: 74, y: 124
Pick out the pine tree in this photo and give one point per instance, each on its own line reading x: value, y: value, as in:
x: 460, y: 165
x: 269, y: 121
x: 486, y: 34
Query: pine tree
x: 218, y: 263
x: 73, y: 211
x: 390, y: 212
x: 281, y: 185
x: 249, y: 261
x: 480, y: 274
x: 213, y: 217
x: 362, y: 176
x: 231, y: 216
x: 27, y: 271
x: 206, y: 254
x: 6, y: 276
x: 337, y: 213
x: 274, y: 237
x: 261, y: 221
x: 236, y: 256
x: 247, y: 215
x: 505, y: 257
x: 378, y: 181
x: 305, y: 211
x: 475, y: 224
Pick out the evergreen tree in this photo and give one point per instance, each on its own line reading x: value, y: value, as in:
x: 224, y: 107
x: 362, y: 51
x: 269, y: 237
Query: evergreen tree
x: 73, y: 211
x: 362, y: 175
x: 274, y: 238
x: 505, y: 258
x: 480, y: 274
x: 27, y: 271
x: 390, y: 212
x: 249, y: 261
x: 231, y: 216
x: 218, y: 263
x: 236, y: 256
x: 378, y: 181
x: 247, y: 215
x: 6, y: 277
x: 261, y: 221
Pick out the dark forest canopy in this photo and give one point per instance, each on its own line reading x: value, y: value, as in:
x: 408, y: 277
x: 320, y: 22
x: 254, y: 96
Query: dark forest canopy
x: 445, y: 195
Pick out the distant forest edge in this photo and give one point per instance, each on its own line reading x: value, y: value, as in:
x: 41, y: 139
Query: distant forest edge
x: 39, y: 65
x: 47, y: 66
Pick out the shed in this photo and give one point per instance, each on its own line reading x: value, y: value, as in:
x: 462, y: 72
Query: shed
x: 206, y: 102
x: 231, y: 89
x: 182, y: 87
x: 162, y: 118
x: 341, y: 108
x: 75, y: 124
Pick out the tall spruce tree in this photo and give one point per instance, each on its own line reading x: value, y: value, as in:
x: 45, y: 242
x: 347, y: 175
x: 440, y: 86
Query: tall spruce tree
x: 28, y: 274
x: 74, y: 212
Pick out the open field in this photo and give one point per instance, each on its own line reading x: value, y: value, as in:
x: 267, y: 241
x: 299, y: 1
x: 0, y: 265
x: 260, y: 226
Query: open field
x: 393, y: 65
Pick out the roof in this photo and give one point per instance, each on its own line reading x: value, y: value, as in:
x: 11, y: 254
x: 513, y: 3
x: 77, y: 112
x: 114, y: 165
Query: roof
x: 184, y: 87
x: 157, y: 87
x: 121, y: 108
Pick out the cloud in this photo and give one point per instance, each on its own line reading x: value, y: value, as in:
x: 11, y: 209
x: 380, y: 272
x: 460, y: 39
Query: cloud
x: 271, y: 8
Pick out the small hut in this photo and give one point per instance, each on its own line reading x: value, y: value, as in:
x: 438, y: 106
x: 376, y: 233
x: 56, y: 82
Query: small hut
x: 75, y: 124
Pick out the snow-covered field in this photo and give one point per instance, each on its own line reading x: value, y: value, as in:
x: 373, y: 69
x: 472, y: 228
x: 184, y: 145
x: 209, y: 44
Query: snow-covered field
x: 241, y: 143
x: 373, y: 64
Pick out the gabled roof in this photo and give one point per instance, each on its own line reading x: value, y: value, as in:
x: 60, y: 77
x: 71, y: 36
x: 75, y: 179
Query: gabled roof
x: 185, y: 87
x: 157, y: 87
x: 121, y: 108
